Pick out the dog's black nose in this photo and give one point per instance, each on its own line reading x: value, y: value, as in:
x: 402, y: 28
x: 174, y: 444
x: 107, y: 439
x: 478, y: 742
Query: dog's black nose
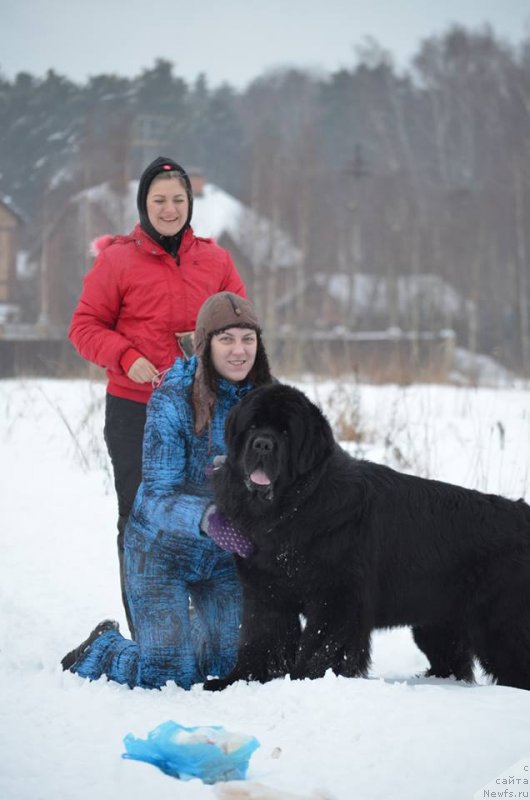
x: 263, y: 444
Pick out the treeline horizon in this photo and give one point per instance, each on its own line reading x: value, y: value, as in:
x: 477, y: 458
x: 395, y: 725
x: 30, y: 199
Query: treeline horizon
x: 371, y: 171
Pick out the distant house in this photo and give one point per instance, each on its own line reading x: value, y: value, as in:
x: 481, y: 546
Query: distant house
x: 422, y: 302
x: 221, y: 216
x: 254, y: 243
x: 11, y: 224
x: 389, y: 329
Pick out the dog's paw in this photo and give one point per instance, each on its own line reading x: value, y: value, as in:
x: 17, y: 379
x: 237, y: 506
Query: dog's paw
x: 216, y: 684
x: 310, y: 668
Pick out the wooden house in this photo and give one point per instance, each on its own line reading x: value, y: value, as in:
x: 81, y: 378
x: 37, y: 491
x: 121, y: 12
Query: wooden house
x: 11, y: 223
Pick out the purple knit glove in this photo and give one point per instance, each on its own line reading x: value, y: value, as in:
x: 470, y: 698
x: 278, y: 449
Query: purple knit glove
x: 227, y: 536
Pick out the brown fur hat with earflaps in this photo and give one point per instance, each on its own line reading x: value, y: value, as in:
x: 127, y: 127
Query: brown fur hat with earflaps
x: 218, y: 312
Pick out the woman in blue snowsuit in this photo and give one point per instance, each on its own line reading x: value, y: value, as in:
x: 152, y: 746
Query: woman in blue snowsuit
x: 169, y: 558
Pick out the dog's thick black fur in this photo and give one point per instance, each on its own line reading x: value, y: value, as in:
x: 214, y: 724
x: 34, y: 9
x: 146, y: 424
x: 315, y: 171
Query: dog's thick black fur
x: 344, y: 546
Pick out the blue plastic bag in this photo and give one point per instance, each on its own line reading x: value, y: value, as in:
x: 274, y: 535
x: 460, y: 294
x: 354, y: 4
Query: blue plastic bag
x: 209, y: 753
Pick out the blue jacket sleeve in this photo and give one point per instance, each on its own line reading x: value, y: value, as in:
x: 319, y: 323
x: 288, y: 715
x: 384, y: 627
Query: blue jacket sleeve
x: 173, y: 503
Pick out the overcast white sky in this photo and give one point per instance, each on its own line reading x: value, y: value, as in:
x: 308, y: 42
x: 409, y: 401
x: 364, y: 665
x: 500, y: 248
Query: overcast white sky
x: 228, y: 40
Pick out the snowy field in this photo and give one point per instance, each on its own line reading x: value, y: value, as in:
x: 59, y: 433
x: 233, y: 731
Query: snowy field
x: 392, y: 736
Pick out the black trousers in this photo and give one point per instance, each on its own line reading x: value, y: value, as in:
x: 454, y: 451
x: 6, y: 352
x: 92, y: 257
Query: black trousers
x: 124, y: 436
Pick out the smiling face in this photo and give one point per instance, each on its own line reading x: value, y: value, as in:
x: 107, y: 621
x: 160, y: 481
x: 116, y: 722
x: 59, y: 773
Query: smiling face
x: 233, y: 352
x: 167, y: 205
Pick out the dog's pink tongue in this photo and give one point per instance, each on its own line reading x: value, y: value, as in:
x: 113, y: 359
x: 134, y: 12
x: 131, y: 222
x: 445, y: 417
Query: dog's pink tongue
x: 259, y: 477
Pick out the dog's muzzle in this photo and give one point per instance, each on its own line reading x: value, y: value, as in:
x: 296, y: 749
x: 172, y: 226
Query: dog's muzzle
x: 258, y: 479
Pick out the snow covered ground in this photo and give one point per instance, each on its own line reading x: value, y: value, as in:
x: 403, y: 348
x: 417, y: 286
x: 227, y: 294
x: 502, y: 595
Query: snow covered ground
x: 393, y: 735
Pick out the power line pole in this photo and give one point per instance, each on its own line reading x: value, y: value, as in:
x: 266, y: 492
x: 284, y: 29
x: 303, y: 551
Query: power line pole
x: 357, y: 169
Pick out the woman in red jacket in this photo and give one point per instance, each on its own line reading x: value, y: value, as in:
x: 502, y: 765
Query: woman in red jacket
x: 143, y: 292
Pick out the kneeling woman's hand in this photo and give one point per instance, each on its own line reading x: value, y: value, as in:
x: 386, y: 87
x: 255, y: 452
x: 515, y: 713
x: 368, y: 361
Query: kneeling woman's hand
x: 225, y: 534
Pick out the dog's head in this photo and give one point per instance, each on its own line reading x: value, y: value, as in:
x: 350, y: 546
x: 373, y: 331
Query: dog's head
x: 276, y: 435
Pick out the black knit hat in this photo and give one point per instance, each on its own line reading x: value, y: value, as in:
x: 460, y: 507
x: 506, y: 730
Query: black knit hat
x: 155, y: 168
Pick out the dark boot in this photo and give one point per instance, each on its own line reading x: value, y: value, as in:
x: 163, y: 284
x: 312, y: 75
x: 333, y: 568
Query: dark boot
x: 73, y: 656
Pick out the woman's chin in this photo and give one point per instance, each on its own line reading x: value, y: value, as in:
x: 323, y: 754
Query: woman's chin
x: 236, y: 374
x: 168, y: 230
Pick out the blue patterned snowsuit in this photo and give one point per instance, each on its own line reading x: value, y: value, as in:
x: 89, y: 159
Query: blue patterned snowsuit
x: 168, y: 559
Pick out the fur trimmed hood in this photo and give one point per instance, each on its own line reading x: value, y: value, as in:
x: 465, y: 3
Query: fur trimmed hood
x: 101, y: 243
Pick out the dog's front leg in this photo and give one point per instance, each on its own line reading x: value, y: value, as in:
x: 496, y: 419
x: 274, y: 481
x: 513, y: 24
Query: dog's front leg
x: 267, y: 646
x: 333, y: 640
x: 251, y: 664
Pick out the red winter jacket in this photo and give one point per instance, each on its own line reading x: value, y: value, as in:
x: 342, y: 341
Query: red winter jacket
x: 137, y: 297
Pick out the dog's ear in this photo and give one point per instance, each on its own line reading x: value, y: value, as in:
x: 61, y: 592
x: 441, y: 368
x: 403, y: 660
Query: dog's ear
x: 236, y: 425
x: 229, y: 426
x: 315, y: 438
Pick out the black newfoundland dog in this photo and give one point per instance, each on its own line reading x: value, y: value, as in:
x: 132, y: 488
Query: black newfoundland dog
x: 344, y: 546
